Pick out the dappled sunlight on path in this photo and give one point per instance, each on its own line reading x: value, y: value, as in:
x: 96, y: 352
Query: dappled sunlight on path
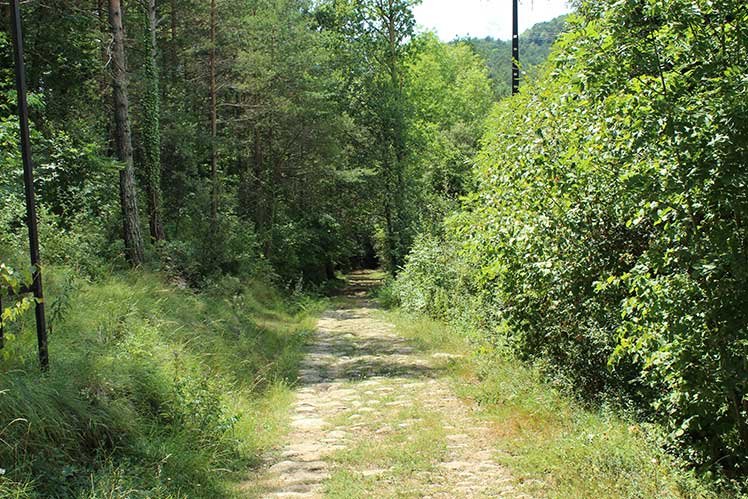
x: 373, y: 417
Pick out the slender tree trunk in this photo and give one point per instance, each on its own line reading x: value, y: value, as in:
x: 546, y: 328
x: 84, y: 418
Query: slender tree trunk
x: 271, y: 188
x: 257, y: 150
x: 392, y: 42
x: 259, y: 207
x: 173, y: 41
x: 391, y: 244
x: 152, y: 128
x: 102, y: 23
x: 395, y: 218
x: 128, y: 194
x: 105, y: 77
x: 213, y: 119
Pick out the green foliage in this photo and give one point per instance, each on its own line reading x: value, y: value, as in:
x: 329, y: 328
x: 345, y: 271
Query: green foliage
x: 607, y: 235
x: 374, y: 44
x: 11, y: 312
x: 75, y: 187
x: 418, y: 105
x: 326, y: 134
x: 448, y: 89
x: 388, y: 295
x: 428, y: 279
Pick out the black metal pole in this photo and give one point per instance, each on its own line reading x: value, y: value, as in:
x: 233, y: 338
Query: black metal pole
x: 28, y: 179
x: 515, y: 48
x: 2, y: 328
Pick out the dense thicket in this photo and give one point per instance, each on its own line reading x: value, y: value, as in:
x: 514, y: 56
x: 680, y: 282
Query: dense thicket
x: 608, y: 233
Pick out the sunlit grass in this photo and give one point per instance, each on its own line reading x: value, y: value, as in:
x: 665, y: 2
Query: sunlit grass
x: 392, y: 463
x: 153, y: 391
x: 555, y: 447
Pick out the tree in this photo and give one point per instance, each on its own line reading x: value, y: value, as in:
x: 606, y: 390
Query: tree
x: 375, y: 38
x: 282, y: 95
x: 390, y: 26
x: 213, y: 120
x: 449, y: 91
x: 152, y: 125
x: 128, y: 194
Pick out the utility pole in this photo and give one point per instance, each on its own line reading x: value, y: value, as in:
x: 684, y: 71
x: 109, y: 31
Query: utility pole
x: 515, y: 48
x: 28, y: 179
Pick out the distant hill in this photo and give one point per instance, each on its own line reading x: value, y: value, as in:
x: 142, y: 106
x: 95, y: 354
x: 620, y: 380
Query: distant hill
x: 535, y: 45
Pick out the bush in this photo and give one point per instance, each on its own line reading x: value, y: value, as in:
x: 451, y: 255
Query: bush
x: 429, y: 280
x: 388, y: 294
x: 608, y: 230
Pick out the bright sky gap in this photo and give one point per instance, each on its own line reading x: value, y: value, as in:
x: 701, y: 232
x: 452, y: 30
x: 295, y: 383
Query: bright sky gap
x: 481, y: 18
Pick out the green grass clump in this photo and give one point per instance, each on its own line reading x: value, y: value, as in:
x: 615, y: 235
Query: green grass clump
x: 153, y: 391
x: 414, y: 444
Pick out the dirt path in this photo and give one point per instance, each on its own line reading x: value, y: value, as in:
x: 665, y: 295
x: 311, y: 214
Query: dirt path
x: 374, y: 418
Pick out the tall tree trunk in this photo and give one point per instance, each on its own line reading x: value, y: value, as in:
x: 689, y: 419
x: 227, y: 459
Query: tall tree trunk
x: 152, y: 127
x: 259, y: 207
x: 213, y: 119
x: 173, y: 41
x: 271, y: 193
x: 102, y: 19
x: 395, y: 216
x: 390, y: 230
x: 105, y: 77
x: 128, y: 194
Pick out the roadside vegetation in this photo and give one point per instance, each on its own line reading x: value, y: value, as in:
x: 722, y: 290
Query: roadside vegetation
x: 153, y: 390
x: 554, y: 444
x: 605, y: 242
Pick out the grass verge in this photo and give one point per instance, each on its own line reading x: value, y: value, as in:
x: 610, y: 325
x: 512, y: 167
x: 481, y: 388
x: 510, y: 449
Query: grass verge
x: 555, y: 447
x: 153, y: 391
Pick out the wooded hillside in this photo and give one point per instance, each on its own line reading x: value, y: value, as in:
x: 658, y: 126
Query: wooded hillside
x: 534, y: 45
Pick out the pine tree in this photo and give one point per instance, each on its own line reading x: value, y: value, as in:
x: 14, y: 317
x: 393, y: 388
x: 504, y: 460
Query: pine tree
x: 128, y: 194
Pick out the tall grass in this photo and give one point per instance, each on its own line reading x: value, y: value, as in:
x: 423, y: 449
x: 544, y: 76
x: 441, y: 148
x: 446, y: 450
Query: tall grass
x: 153, y: 391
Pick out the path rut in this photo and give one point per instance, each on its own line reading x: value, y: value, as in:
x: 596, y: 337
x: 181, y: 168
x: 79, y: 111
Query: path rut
x: 361, y: 389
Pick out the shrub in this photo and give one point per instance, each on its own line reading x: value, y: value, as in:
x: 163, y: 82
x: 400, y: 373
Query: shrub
x: 429, y: 280
x: 608, y: 229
